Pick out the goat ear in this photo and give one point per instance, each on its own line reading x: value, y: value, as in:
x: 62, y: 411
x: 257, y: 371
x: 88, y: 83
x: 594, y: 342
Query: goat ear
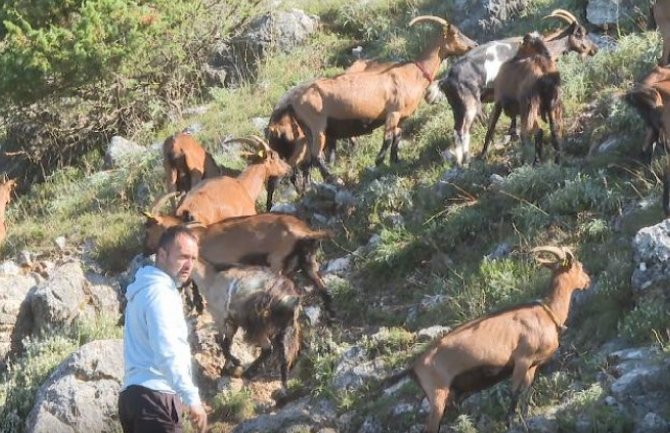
x: 262, y: 154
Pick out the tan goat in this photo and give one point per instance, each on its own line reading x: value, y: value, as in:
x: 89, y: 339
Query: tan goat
x: 282, y: 242
x: 6, y: 189
x: 515, y: 341
x: 387, y: 97
x: 224, y: 197
x: 186, y: 163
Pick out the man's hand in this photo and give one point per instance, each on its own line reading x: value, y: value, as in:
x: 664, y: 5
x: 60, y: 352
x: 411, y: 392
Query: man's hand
x: 198, y: 416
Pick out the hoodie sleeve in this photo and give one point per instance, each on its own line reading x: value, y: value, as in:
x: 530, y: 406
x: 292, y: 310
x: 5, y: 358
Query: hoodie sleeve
x: 167, y: 337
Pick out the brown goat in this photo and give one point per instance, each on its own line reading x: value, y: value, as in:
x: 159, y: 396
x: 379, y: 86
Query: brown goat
x: 282, y: 242
x: 6, y: 188
x: 218, y: 198
x: 387, y: 97
x: 513, y: 342
x: 266, y: 305
x: 647, y: 98
x: 186, y: 163
x: 529, y: 85
x: 223, y: 197
x: 661, y: 14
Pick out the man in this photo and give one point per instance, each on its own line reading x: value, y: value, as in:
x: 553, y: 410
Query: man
x: 156, y: 352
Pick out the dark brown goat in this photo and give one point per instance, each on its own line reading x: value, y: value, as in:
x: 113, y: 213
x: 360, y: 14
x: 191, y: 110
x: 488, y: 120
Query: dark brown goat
x: 528, y: 85
x: 651, y: 99
x: 266, y: 305
x: 513, y: 342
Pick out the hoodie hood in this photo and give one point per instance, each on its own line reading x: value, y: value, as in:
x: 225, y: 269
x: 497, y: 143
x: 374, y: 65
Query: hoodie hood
x: 148, y: 276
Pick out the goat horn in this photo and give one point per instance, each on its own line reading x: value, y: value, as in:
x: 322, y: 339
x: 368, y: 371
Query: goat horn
x: 262, y: 142
x: 161, y: 201
x: 433, y: 18
x: 562, y: 14
x: 559, y: 253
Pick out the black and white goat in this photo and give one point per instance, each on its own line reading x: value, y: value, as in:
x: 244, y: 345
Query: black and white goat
x: 469, y: 82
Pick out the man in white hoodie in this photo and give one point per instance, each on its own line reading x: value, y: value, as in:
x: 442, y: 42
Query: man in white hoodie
x: 157, y: 356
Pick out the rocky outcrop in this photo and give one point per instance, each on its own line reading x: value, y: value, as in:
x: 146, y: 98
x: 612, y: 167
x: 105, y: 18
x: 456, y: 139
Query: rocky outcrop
x: 651, y: 254
x: 81, y: 395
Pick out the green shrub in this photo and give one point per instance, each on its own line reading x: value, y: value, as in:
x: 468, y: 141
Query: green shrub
x: 233, y: 406
x: 647, y: 320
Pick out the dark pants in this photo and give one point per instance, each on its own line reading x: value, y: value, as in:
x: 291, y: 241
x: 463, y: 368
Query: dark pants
x: 142, y: 410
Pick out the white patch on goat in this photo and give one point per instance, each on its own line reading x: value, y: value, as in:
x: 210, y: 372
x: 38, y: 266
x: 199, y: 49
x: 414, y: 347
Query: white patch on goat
x: 492, y: 62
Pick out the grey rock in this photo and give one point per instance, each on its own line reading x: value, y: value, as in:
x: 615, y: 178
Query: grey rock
x: 284, y: 208
x: 605, y: 12
x: 354, y: 368
x: 371, y: 425
x: 121, y: 152
x: 15, y: 319
x: 431, y: 333
x: 652, y: 423
x: 81, y: 395
x: 339, y: 266
x: 651, y: 251
x: 302, y: 413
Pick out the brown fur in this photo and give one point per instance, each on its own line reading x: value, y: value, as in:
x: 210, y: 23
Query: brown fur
x: 529, y: 85
x: 280, y: 241
x: 224, y: 197
x: 186, y: 163
x: 484, y: 351
x: 357, y: 102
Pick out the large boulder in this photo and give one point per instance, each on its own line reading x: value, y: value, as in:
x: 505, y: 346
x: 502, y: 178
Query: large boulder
x: 301, y: 416
x: 121, y: 152
x: 81, y: 395
x: 651, y: 254
x: 605, y: 12
x: 68, y: 294
x: 15, y: 320
x: 237, y: 60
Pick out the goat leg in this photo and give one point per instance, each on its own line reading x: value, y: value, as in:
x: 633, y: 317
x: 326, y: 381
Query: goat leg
x: 555, y: 139
x: 512, y: 131
x: 251, y: 370
x: 538, y: 147
x: 379, y: 160
x: 394, y: 148
x: 225, y: 343
x: 497, y: 109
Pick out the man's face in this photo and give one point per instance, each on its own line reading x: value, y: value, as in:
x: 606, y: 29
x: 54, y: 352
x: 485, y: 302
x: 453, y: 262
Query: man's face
x: 177, y: 261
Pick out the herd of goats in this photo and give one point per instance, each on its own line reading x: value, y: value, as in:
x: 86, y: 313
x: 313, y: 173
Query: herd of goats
x: 249, y: 260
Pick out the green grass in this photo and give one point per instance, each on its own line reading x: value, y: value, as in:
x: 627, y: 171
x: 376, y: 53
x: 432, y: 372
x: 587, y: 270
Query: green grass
x: 434, y: 234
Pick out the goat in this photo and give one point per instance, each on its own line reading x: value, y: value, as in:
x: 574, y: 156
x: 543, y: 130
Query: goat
x: 469, y: 82
x: 267, y: 306
x: 514, y: 341
x: 529, y: 85
x: 647, y: 98
x: 186, y: 163
x: 387, y: 97
x: 282, y: 242
x: 6, y: 188
x: 218, y: 198
x: 661, y: 16
x: 223, y: 197
x: 651, y: 99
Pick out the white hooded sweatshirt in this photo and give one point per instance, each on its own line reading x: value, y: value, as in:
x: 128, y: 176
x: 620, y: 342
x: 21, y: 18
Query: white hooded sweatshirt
x: 155, y: 340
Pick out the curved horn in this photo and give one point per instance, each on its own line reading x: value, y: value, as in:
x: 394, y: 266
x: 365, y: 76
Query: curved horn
x: 562, y: 14
x: 569, y: 256
x: 262, y: 142
x: 559, y: 253
x: 161, y: 201
x: 433, y: 18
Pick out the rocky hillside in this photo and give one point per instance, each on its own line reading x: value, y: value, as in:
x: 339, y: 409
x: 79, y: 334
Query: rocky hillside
x: 418, y: 247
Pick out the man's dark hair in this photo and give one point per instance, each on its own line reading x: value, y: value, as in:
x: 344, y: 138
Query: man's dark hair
x: 168, y: 237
